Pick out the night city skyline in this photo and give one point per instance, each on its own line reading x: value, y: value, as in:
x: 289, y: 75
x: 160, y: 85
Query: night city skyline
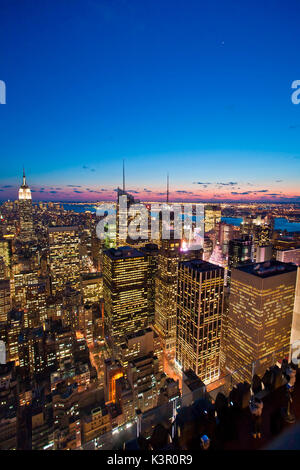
x: 150, y: 230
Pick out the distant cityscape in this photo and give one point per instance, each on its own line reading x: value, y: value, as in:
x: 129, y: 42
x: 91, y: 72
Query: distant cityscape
x: 107, y: 342
x: 150, y: 231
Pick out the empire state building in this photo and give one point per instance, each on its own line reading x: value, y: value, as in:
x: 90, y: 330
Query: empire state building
x: 25, y: 212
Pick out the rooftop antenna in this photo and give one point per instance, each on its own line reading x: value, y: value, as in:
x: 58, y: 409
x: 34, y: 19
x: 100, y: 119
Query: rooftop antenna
x: 24, y: 178
x: 123, y: 175
x: 167, y: 188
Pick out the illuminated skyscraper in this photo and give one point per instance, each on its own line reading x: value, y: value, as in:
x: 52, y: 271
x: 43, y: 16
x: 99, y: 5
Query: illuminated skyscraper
x: 260, y: 314
x: 219, y: 259
x: 31, y: 351
x: 125, y: 201
x: 125, y: 291
x: 171, y: 252
x: 260, y: 230
x: 5, y: 258
x: 29, y: 294
x: 212, y: 217
x: 15, y: 322
x: 165, y: 294
x: 289, y: 256
x: 64, y: 257
x: 199, y: 318
x: 151, y: 251
x: 123, y: 220
x: 295, y: 333
x: 5, y: 301
x: 25, y: 212
x: 240, y: 252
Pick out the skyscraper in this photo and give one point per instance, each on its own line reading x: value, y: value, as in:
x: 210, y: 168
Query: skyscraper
x: 295, y: 333
x: 25, y: 212
x: 5, y: 300
x: 260, y: 230
x: 125, y: 291
x: 212, y: 217
x: 289, y: 256
x: 64, y: 257
x: 151, y: 251
x: 165, y: 294
x: 199, y: 318
x: 5, y: 258
x: 240, y: 251
x: 125, y: 201
x: 260, y: 314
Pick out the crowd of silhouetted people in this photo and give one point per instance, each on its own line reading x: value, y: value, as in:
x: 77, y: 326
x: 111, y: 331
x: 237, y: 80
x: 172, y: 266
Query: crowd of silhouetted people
x: 231, y: 420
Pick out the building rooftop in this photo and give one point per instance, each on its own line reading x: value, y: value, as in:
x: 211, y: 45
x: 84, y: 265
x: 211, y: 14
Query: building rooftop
x: 241, y: 241
x: 199, y: 265
x: 91, y: 276
x: 267, y: 269
x: 149, y: 248
x: 191, y: 380
x: 63, y: 229
x: 136, y: 334
x: 94, y: 408
x: 15, y: 315
x: 123, y: 252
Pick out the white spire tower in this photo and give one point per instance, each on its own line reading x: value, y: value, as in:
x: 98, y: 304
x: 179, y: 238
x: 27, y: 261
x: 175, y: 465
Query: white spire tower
x: 24, y: 191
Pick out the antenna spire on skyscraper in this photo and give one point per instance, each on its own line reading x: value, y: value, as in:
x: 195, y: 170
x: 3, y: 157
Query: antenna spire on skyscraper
x: 123, y: 175
x: 24, y: 177
x: 167, y: 188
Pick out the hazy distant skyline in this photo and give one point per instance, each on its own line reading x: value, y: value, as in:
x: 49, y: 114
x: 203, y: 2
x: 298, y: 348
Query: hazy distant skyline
x: 199, y: 90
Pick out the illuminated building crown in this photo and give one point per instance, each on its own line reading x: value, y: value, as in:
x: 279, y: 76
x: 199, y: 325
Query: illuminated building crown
x: 24, y: 191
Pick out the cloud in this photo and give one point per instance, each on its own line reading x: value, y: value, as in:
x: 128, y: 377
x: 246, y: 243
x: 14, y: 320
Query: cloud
x: 245, y: 192
x: 184, y: 192
x: 88, y: 168
x: 278, y: 181
x: 7, y: 186
x: 76, y: 191
x: 53, y: 192
x: 199, y: 182
x: 251, y: 192
x: 230, y: 183
x: 73, y: 186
